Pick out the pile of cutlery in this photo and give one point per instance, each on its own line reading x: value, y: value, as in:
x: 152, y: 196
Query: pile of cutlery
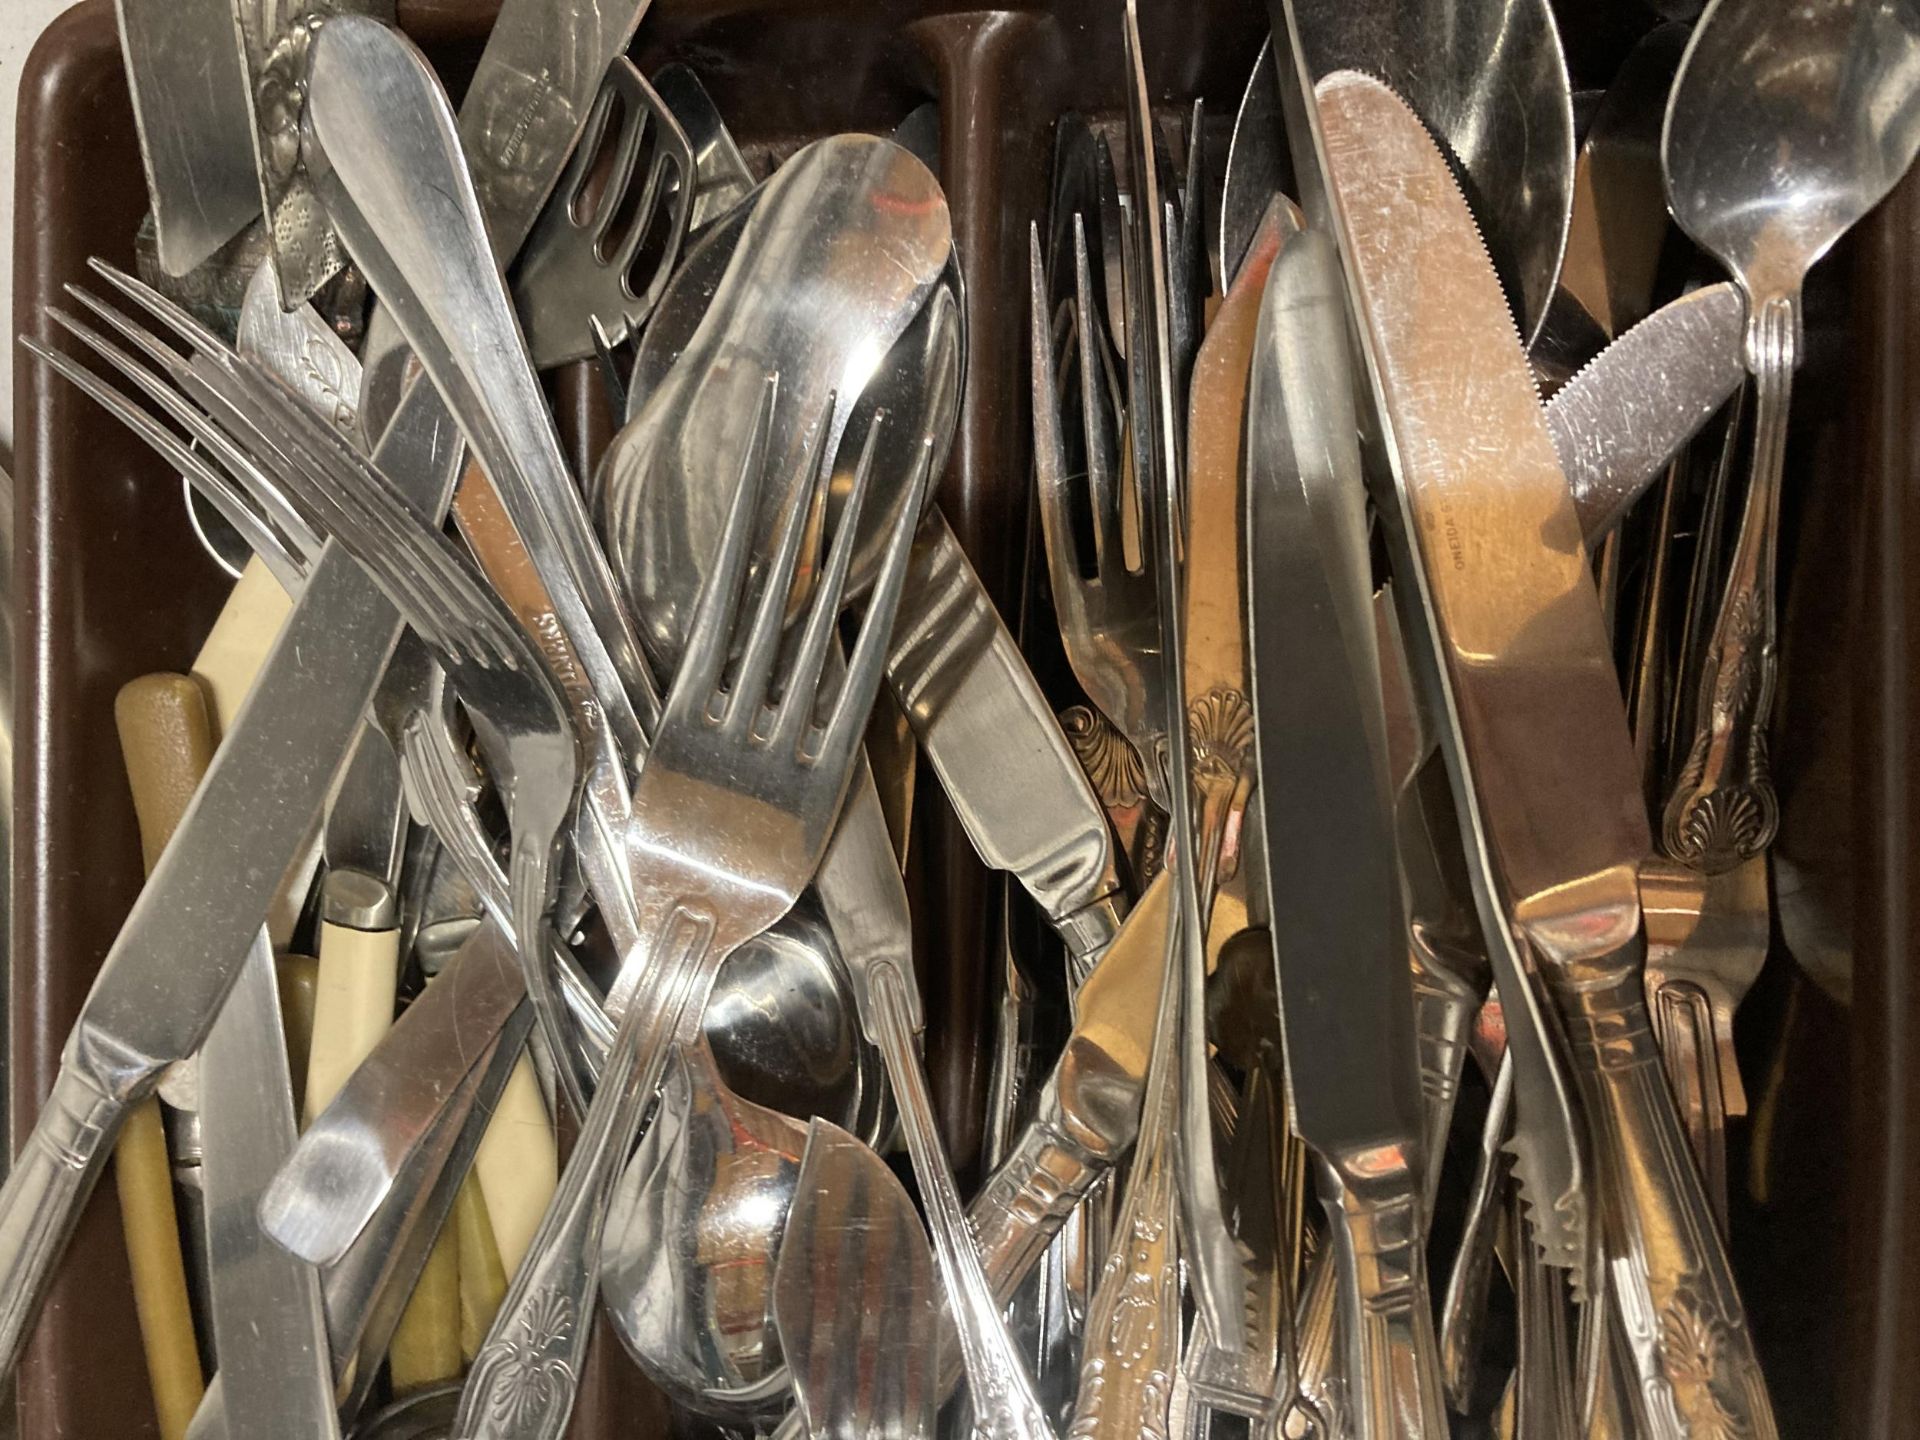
x: 1344, y: 734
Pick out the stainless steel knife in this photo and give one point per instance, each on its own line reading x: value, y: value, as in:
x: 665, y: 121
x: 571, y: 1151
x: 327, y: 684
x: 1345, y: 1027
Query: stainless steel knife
x: 1339, y: 938
x: 182, y: 946
x: 1547, y: 1154
x: 191, y: 110
x: 1536, y: 738
x: 1627, y: 412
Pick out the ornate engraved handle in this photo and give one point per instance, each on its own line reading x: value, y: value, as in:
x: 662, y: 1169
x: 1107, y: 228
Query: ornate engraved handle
x: 44, y: 1193
x: 1004, y: 1404
x: 1683, y: 1023
x: 1393, y: 1365
x: 1668, y: 1273
x: 1723, y: 809
x: 527, y: 1374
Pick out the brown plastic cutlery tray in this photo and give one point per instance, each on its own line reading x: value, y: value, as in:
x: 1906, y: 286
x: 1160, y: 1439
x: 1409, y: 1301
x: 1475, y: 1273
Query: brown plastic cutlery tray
x: 1826, y: 1222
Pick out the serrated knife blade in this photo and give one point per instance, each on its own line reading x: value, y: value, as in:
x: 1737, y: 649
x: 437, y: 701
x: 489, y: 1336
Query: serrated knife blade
x: 1537, y: 738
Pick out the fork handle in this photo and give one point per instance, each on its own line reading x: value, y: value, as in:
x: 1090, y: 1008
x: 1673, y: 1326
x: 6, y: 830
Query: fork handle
x: 1683, y: 1023
x: 1005, y: 1406
x: 44, y: 1194
x: 1672, y: 1285
x: 526, y: 1376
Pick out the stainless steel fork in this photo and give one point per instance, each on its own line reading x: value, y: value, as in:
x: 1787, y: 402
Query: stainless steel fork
x: 730, y: 817
x: 300, y: 465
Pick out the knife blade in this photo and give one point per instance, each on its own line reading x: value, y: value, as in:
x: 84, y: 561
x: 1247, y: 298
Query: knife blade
x: 1338, y: 935
x: 1547, y: 1156
x: 1539, y: 750
x: 1627, y: 411
x: 190, y: 108
x: 181, y: 948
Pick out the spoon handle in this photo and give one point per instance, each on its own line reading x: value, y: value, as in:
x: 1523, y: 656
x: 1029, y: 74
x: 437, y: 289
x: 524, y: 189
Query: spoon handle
x: 1723, y: 809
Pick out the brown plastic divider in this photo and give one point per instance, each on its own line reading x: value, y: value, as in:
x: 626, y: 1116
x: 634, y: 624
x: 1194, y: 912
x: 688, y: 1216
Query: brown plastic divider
x: 111, y: 585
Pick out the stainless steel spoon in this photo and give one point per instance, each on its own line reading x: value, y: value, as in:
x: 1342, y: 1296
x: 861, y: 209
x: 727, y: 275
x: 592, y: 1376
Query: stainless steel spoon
x: 848, y: 204
x: 1785, y: 126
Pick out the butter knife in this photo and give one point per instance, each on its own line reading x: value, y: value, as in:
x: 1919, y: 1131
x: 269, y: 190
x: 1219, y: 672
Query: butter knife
x: 1338, y: 938
x: 1537, y: 738
x: 182, y: 947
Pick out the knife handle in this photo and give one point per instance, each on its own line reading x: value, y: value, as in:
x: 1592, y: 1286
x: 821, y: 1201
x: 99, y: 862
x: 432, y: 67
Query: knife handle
x: 1672, y: 1285
x: 483, y: 1279
x: 359, y: 971
x: 166, y: 741
x: 240, y: 640
x: 518, y: 1165
x: 1393, y: 1363
x: 1028, y: 1198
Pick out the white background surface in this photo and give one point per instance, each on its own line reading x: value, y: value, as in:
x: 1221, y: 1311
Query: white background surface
x: 21, y: 22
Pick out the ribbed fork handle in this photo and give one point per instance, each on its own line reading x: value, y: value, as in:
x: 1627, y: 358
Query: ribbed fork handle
x: 527, y: 1375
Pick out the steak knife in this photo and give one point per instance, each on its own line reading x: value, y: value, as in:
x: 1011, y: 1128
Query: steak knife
x: 1536, y: 735
x: 1338, y: 936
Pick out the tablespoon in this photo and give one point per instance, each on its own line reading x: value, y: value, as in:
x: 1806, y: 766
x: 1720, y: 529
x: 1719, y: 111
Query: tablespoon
x: 1786, y: 125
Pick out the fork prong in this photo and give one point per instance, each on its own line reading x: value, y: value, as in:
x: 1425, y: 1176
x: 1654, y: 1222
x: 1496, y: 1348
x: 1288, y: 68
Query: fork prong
x: 263, y: 493
x: 1049, y: 460
x: 579, y: 171
x: 748, y: 694
x: 174, y: 316
x: 709, y: 638
x: 1109, y: 549
x: 219, y: 490
x: 869, y: 659
x: 163, y: 356
x: 801, y: 695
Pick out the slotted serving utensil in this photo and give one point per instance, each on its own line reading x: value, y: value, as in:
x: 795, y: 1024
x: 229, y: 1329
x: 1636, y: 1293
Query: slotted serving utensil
x: 600, y: 253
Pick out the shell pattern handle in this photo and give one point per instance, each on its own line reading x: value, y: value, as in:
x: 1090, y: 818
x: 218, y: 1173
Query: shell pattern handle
x: 1668, y: 1272
x: 1373, y: 1200
x: 1723, y: 809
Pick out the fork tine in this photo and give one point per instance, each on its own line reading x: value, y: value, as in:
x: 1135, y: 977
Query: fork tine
x: 164, y: 356
x: 1049, y: 459
x: 1109, y: 548
x: 174, y: 316
x: 573, y: 184
x: 262, y: 492
x: 869, y: 660
x: 749, y: 689
x: 220, y: 491
x: 801, y: 694
x: 712, y: 630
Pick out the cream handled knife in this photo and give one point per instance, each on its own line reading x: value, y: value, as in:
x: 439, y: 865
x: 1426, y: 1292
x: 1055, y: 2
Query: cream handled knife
x: 1536, y: 739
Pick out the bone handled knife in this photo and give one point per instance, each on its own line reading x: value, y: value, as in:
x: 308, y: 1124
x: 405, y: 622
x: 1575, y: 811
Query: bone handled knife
x: 1536, y: 731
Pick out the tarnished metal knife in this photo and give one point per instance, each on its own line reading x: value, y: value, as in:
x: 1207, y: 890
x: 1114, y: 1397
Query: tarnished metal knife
x: 1536, y: 738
